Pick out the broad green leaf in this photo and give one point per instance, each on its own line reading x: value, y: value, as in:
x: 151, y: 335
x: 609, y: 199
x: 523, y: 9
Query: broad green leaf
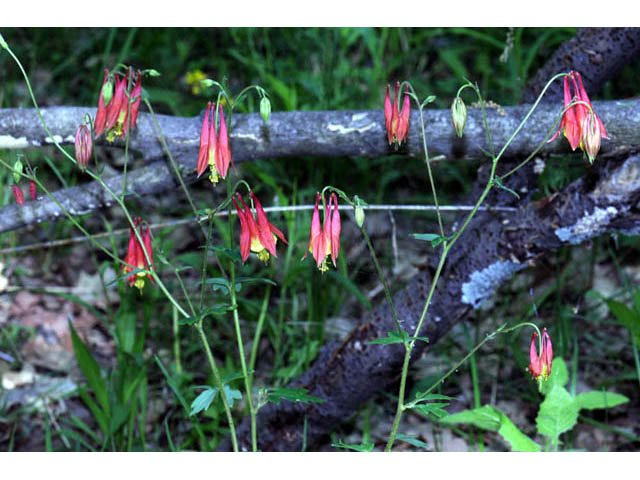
x: 91, y: 371
x: 559, y: 376
x: 485, y: 417
x: 492, y: 419
x: 396, y: 337
x: 558, y: 413
x: 365, y: 447
x: 412, y: 440
x: 593, y: 400
x: 276, y: 395
x: 517, y: 440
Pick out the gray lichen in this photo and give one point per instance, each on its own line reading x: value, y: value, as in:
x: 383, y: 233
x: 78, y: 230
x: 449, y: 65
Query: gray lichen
x: 482, y: 283
x: 589, y: 226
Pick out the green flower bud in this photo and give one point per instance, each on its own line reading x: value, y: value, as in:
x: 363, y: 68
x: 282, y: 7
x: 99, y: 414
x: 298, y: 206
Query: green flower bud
x: 265, y: 109
x: 458, y: 115
x: 359, y: 211
x: 17, y: 170
x: 107, y: 91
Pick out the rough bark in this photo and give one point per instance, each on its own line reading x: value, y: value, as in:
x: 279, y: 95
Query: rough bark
x: 291, y: 134
x: 597, y: 53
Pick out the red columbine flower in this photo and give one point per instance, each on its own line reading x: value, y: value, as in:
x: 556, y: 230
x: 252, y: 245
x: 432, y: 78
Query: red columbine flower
x: 33, y: 190
x: 257, y: 237
x: 325, y: 241
x: 397, y: 123
x: 113, y: 106
x: 135, y: 258
x: 106, y: 92
x: 540, y: 366
x: 83, y: 145
x: 575, y: 120
x: 18, y: 195
x: 214, y: 152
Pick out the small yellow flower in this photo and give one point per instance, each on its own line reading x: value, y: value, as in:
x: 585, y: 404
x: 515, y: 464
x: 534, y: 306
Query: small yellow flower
x: 194, y: 79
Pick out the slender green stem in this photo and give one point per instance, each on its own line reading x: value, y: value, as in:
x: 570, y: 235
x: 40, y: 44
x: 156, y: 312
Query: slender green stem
x: 428, y: 163
x: 236, y: 322
x: 176, y: 340
x: 258, y: 332
x: 184, y: 291
x: 218, y: 382
x: 387, y: 292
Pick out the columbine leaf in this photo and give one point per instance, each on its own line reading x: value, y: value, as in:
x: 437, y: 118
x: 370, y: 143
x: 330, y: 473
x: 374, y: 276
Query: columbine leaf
x: 558, y: 413
x: 276, y: 395
x: 434, y: 238
x: 232, y: 395
x: 203, y: 401
x: 593, y: 400
x: 485, y: 417
x: 492, y: 419
x: 558, y: 378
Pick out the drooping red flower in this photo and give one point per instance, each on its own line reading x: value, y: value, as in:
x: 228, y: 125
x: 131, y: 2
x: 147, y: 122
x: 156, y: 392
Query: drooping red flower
x: 540, y: 365
x: 396, y: 122
x: 135, y: 258
x: 258, y: 237
x: 223, y: 159
x: 101, y: 117
x: 18, y: 195
x: 576, y: 123
x: 324, y: 241
x: 113, y: 115
x: 214, y: 147
x: 83, y: 146
x: 33, y: 190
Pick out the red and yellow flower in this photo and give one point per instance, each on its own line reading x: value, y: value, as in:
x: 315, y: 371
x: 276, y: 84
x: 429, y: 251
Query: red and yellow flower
x: 259, y: 237
x: 580, y: 124
x: 324, y: 241
x: 397, y: 122
x: 135, y: 258
x: 115, y: 116
x: 540, y: 365
x: 214, y: 148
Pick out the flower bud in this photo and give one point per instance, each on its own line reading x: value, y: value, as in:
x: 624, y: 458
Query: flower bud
x: 107, y: 90
x: 458, y: 115
x: 17, y: 170
x: 591, y: 135
x: 265, y: 109
x: 18, y: 195
x: 33, y: 190
x: 83, y: 145
x: 359, y: 212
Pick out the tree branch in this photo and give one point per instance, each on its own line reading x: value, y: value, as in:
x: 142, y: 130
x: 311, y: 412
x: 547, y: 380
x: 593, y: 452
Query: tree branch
x: 290, y: 134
